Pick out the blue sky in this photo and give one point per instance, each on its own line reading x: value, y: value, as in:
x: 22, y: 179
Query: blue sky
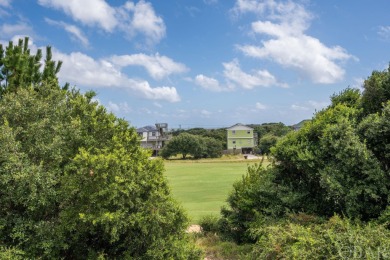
x: 207, y: 63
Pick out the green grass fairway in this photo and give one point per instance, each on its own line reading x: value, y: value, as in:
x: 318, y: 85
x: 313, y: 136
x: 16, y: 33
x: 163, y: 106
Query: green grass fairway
x: 203, y: 186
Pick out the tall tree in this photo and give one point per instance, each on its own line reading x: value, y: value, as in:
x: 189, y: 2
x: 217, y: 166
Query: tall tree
x: 376, y: 91
x: 20, y: 69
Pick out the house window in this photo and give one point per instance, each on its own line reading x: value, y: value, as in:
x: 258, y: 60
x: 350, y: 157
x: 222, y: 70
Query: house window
x: 234, y: 132
x: 234, y: 142
x: 153, y: 133
x: 248, y: 132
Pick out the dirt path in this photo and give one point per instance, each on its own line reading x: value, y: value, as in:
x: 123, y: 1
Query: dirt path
x: 194, y: 229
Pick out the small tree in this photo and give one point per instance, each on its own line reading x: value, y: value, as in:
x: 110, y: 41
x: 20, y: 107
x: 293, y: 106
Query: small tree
x: 196, y: 146
x: 266, y: 142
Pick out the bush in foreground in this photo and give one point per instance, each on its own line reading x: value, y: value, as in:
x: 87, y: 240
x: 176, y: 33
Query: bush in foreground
x: 334, y: 239
x: 75, y: 183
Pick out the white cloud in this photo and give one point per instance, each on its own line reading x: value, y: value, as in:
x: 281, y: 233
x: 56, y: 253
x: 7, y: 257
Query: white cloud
x: 310, y: 105
x: 131, y: 19
x: 318, y: 105
x: 88, y: 12
x: 384, y: 32
x: 121, y: 107
x: 113, y: 107
x: 244, y: 6
x: 157, y: 66
x: 259, y: 78
x: 289, y: 46
x: 20, y: 29
x: 260, y: 106
x: 298, y: 107
x: 74, y: 31
x: 208, y: 83
x: 144, y: 21
x: 82, y: 70
x: 358, y: 83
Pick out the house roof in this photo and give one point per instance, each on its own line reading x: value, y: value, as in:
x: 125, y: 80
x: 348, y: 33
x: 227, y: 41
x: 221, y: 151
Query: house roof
x: 148, y: 128
x: 239, y: 126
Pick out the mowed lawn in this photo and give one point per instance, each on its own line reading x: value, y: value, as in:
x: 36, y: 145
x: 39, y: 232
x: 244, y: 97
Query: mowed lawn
x: 202, y: 187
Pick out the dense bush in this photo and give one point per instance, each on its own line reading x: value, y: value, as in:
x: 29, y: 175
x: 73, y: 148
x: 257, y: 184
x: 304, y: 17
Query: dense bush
x: 335, y: 239
x: 75, y: 183
x: 209, y: 224
x: 338, y: 163
x: 193, y: 145
x: 218, y: 134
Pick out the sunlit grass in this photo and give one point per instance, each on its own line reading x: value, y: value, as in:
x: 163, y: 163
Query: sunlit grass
x: 202, y: 186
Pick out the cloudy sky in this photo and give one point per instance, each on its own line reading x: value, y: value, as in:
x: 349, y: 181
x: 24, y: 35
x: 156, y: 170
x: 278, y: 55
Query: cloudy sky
x: 207, y: 63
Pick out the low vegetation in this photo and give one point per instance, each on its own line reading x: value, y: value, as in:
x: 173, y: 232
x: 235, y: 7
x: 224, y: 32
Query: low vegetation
x: 202, y: 186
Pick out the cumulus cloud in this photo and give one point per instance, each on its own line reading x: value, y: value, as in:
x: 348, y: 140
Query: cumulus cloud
x: 208, y: 83
x: 83, y: 70
x: 157, y: 66
x: 288, y: 45
x: 235, y: 77
x: 131, y: 19
x: 142, y: 19
x: 73, y: 30
x: 259, y: 78
x: 88, y: 12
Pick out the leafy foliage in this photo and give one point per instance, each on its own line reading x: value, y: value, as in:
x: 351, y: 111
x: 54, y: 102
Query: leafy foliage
x: 337, y: 163
x: 218, y: 134
x: 335, y: 239
x: 75, y: 183
x: 196, y: 146
x: 266, y: 142
x: 376, y: 91
x: 253, y: 198
x: 20, y: 69
x: 275, y: 129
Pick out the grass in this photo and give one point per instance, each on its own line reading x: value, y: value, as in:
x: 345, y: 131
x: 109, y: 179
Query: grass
x: 202, y: 186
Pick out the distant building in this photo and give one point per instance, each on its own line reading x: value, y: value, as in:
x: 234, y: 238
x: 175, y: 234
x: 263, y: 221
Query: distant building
x: 240, y: 139
x: 153, y: 137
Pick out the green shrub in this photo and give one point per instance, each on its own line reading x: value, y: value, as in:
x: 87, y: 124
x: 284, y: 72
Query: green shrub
x: 209, y: 223
x: 335, y: 239
x: 13, y: 253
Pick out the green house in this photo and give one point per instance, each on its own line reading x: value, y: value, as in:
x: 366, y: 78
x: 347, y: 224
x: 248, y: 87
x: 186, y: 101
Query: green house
x: 240, y: 139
